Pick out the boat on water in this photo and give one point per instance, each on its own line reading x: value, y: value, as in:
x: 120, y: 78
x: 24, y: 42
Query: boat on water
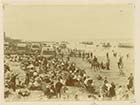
x: 87, y: 43
x: 106, y: 45
x: 125, y: 45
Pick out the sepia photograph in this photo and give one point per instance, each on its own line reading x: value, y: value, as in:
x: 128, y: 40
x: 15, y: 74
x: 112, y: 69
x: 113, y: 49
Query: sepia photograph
x: 68, y: 52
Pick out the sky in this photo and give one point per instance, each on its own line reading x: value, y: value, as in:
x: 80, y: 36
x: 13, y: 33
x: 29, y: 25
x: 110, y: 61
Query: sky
x: 69, y: 22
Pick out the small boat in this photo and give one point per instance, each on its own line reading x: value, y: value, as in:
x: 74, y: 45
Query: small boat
x: 125, y: 45
x: 87, y: 43
x: 106, y: 45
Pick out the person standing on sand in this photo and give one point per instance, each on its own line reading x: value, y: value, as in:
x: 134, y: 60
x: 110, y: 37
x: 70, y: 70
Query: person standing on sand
x: 83, y: 55
x: 108, y: 64
x: 107, y: 61
x: 130, y: 84
x: 120, y: 63
x: 107, y: 55
x: 91, y: 55
x: 120, y: 66
x: 94, y: 63
x: 58, y: 87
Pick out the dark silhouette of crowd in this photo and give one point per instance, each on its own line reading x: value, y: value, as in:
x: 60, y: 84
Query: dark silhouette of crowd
x: 53, y: 75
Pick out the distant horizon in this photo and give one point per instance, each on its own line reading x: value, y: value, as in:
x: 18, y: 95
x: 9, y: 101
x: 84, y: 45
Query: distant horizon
x: 75, y: 39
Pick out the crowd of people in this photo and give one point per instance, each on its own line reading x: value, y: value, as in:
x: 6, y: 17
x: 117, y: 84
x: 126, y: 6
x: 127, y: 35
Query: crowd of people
x: 54, y: 75
x: 97, y: 65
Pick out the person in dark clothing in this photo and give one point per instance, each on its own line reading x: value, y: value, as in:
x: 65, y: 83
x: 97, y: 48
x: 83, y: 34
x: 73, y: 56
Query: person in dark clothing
x: 112, y: 92
x: 79, y: 54
x: 27, y: 78
x: 13, y: 82
x: 91, y: 54
x: 99, y: 77
x: 120, y: 63
x: 115, y: 54
x: 127, y: 55
x: 95, y: 59
x: 108, y: 64
x: 107, y: 55
x: 58, y: 87
x: 130, y: 84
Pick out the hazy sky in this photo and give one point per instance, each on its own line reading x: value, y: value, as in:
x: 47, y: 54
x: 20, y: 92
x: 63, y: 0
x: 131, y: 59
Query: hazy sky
x: 69, y: 22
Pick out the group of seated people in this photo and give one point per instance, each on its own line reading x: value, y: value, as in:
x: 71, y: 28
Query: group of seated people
x: 53, y: 76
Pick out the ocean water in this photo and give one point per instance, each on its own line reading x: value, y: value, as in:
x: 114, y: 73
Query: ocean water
x: 101, y: 50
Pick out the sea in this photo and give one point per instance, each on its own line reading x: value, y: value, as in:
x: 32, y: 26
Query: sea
x: 98, y: 49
